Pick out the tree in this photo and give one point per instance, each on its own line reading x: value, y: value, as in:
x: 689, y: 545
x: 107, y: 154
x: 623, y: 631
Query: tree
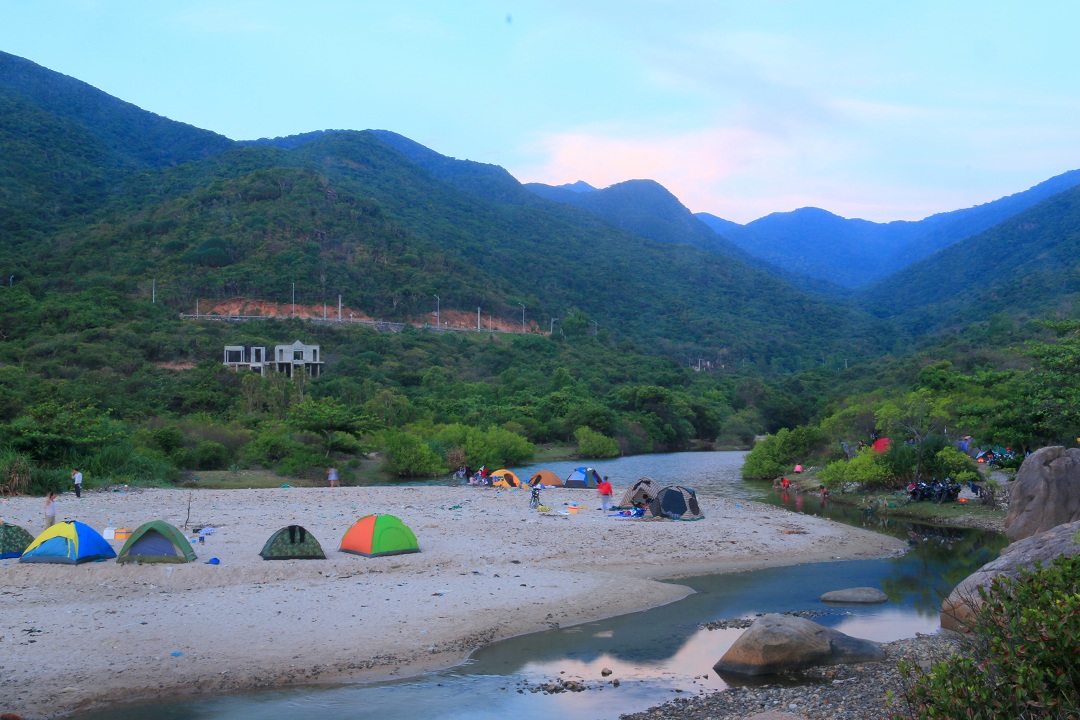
x: 327, y: 416
x: 918, y: 416
x: 57, y: 434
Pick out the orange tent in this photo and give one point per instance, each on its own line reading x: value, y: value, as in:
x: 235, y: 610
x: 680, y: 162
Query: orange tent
x: 545, y: 477
x: 509, y: 479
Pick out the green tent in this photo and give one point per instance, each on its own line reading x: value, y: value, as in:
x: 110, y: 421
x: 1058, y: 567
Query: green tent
x: 292, y: 543
x: 13, y: 540
x: 377, y: 535
x: 156, y: 542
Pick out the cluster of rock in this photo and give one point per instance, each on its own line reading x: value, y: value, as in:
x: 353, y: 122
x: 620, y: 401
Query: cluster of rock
x: 1042, y: 524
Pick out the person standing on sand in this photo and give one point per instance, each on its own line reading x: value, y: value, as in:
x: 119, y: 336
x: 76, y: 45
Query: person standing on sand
x: 76, y: 477
x: 50, y: 510
x: 604, y: 491
x: 332, y: 476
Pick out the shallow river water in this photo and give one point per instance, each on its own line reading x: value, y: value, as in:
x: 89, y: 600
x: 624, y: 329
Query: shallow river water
x: 657, y: 654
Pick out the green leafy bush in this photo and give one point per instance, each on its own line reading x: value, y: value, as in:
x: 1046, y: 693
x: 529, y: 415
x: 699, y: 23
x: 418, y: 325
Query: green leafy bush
x: 592, y: 444
x: 777, y: 454
x: 867, y: 470
x: 1022, y: 659
x: 408, y: 456
x: 211, y: 455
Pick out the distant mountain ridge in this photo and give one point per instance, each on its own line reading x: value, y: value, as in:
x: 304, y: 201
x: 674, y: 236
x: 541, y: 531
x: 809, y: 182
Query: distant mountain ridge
x: 644, y: 207
x: 857, y: 253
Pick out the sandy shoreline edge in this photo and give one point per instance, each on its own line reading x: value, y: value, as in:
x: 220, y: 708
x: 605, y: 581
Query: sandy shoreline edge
x: 73, y: 638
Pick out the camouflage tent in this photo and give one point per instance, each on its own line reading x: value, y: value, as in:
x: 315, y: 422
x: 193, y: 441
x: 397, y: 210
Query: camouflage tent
x: 13, y: 540
x: 292, y: 543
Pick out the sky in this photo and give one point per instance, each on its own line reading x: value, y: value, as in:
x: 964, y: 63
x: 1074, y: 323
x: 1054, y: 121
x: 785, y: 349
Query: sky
x: 876, y: 109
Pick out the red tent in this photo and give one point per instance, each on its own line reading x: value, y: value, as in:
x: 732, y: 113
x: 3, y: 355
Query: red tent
x: 881, y: 445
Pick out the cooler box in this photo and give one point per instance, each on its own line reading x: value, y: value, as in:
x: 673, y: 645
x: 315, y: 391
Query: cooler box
x: 122, y: 533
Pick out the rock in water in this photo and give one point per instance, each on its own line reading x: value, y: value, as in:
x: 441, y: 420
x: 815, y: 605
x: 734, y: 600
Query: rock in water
x: 779, y: 643
x: 1046, y: 492
x: 959, y: 609
x: 856, y: 596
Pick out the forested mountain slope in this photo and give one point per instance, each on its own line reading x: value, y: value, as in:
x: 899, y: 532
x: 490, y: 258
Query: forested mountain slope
x: 347, y: 215
x: 1025, y: 266
x: 855, y: 253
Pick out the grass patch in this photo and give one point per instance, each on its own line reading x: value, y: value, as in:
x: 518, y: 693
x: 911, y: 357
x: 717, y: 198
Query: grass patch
x: 244, y: 479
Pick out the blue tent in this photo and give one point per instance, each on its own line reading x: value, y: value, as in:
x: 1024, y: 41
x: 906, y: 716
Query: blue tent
x: 582, y: 478
x: 69, y: 542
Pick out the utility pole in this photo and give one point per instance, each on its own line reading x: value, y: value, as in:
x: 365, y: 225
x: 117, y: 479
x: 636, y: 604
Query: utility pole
x: 551, y: 328
x: 294, y: 300
x: 477, y: 318
x: 339, y: 308
x: 522, y: 317
x: 596, y: 327
x: 153, y: 291
x: 438, y: 317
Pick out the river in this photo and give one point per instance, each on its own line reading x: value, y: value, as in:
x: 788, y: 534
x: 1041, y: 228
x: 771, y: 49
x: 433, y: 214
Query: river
x: 657, y: 654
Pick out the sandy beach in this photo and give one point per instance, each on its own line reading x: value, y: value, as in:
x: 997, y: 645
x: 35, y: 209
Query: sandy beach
x: 78, y: 637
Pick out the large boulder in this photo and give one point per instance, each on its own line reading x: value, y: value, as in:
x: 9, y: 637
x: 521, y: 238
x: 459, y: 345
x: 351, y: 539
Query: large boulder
x: 959, y: 609
x: 780, y: 643
x: 1046, y: 492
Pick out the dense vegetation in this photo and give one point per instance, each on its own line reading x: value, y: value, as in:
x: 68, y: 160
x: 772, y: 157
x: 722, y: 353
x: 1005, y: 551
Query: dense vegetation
x: 1018, y: 398
x: 85, y: 383
x: 1020, y: 660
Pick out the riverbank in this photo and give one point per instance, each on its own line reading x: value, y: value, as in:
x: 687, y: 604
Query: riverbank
x: 869, y: 691
x: 76, y: 637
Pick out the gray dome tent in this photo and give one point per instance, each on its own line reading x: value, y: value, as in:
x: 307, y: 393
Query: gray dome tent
x: 676, y: 503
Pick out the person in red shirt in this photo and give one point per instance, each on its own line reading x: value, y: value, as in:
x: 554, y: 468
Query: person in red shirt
x: 604, y: 491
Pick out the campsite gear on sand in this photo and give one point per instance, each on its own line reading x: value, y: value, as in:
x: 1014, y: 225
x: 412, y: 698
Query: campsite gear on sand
x: 213, y: 561
x: 122, y: 534
x: 156, y: 542
x: 583, y: 477
x: 546, y: 477
x: 292, y: 542
x: 13, y: 540
x: 676, y: 503
x: 70, y: 543
x: 378, y: 535
x: 534, y: 498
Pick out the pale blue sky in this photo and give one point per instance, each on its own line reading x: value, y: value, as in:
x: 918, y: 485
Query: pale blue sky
x: 880, y: 109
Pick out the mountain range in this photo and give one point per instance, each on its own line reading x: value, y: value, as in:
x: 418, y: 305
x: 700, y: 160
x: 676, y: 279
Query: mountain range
x: 97, y: 192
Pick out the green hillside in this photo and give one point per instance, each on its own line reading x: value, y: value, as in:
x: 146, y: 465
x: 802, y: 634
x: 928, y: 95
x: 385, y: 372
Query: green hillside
x: 1025, y: 267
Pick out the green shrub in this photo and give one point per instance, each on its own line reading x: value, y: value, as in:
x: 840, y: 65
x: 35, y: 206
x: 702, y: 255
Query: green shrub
x: 408, y: 456
x: 211, y: 455
x: 867, y: 470
x: 306, y: 463
x: 268, y: 450
x: 777, y: 454
x: 42, y: 480
x: 1021, y: 659
x: 592, y: 444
